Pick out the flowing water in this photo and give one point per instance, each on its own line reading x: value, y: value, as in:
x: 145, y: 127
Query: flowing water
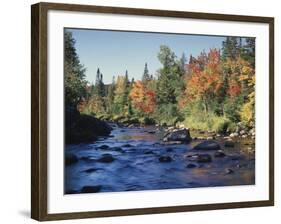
x: 136, y: 166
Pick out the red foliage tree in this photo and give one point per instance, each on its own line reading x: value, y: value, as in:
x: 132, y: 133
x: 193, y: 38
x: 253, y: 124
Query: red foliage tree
x: 204, y: 80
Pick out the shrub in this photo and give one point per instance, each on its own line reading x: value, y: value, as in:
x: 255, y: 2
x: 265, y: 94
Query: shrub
x: 147, y: 120
x: 167, y: 114
x: 209, y: 122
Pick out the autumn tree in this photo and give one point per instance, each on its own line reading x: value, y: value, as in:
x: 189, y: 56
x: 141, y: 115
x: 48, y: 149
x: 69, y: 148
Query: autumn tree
x: 204, y: 81
x: 143, y: 100
x: 240, y: 91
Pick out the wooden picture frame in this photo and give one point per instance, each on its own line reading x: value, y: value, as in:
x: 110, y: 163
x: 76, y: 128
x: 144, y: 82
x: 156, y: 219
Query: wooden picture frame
x: 39, y: 108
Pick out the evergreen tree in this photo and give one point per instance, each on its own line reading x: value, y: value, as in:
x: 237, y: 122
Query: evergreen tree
x: 110, y: 96
x: 146, y: 77
x: 182, y: 63
x: 97, y: 77
x: 75, y: 84
x: 249, y: 51
x: 165, y: 87
x: 99, y: 88
x: 191, y: 59
x: 230, y: 48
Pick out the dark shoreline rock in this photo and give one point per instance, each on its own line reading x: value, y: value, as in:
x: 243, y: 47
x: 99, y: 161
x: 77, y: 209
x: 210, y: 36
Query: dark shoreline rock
x: 81, y: 128
x: 70, y: 159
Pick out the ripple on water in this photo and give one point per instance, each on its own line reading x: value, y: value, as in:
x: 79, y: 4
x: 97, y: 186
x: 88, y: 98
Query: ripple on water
x: 136, y: 166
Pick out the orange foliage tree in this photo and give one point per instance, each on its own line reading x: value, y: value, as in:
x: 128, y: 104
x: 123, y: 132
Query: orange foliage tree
x: 203, y: 82
x: 143, y: 100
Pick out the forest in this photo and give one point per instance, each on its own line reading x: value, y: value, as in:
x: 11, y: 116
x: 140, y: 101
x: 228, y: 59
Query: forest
x: 213, y: 91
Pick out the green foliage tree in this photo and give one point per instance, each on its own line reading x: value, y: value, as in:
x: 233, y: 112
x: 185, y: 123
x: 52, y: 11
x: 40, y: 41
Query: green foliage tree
x: 75, y: 84
x: 121, y: 95
x: 110, y: 96
x: 249, y: 51
x: 99, y: 88
x: 169, y: 84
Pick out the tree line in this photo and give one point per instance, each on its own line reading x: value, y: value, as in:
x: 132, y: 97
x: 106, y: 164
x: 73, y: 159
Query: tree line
x: 213, y: 91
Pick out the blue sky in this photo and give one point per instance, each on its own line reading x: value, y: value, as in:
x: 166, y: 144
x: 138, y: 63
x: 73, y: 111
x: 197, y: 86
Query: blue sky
x: 115, y: 52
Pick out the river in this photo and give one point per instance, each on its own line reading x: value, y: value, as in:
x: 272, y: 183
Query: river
x: 136, y: 166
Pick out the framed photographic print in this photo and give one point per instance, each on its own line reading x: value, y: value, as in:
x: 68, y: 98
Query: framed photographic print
x: 140, y: 111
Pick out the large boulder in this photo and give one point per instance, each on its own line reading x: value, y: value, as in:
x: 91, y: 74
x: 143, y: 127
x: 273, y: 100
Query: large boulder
x: 178, y: 135
x: 208, y: 145
x: 81, y: 128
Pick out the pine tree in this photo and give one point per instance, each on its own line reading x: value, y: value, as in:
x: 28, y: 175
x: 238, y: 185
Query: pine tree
x: 97, y: 77
x: 249, y: 51
x: 110, y: 96
x: 99, y: 89
x: 230, y: 48
x: 182, y: 63
x: 146, y: 77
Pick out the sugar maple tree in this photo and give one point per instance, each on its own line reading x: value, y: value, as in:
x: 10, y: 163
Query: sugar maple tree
x: 143, y: 99
x: 204, y: 81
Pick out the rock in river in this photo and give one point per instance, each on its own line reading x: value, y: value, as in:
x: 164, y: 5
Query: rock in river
x: 181, y: 135
x: 127, y: 146
x: 106, y: 158
x: 91, y: 189
x: 104, y: 147
x: 70, y: 159
x: 219, y: 154
x: 191, y: 165
x: 229, y: 143
x: 91, y: 170
x: 200, y: 158
x: 208, y: 145
x: 165, y: 159
x: 204, y: 158
x: 228, y: 171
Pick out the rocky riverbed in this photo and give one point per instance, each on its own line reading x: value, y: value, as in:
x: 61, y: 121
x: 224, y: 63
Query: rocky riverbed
x: 147, y: 158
